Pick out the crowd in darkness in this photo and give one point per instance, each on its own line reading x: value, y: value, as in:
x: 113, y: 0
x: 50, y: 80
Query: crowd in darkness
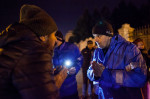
x: 37, y: 63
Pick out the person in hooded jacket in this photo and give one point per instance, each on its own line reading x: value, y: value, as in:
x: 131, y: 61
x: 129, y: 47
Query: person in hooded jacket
x: 140, y: 44
x: 67, y: 55
x: 117, y: 65
x: 26, y: 50
x: 87, y: 57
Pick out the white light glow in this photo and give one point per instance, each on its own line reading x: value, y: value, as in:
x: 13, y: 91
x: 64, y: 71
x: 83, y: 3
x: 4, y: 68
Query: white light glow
x: 67, y: 63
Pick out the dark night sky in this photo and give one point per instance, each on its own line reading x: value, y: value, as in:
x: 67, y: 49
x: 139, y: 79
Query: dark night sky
x: 64, y: 12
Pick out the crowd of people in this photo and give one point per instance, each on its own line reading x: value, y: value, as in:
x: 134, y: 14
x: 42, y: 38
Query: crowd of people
x: 37, y: 63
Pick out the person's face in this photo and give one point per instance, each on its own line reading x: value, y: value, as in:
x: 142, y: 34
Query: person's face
x: 58, y: 43
x: 140, y: 45
x: 52, y: 40
x: 90, y: 46
x: 102, y: 41
x: 49, y: 40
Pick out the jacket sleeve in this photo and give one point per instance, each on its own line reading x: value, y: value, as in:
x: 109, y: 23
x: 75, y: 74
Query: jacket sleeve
x: 33, y: 76
x: 90, y: 73
x: 137, y: 76
x: 78, y: 59
x: 134, y: 78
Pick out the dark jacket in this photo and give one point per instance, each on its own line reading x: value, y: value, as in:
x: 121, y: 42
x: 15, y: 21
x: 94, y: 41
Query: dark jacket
x: 68, y: 51
x: 115, y: 81
x: 147, y: 60
x: 87, y: 58
x: 25, y: 66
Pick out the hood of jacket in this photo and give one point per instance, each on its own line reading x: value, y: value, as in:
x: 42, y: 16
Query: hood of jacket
x: 116, y: 40
x: 15, y: 33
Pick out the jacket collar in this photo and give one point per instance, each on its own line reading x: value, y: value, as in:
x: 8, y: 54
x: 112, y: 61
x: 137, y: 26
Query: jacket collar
x: 61, y: 46
x: 116, y: 39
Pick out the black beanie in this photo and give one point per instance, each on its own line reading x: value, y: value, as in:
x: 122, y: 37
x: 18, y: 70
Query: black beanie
x: 103, y: 28
x: 37, y: 20
x: 59, y: 36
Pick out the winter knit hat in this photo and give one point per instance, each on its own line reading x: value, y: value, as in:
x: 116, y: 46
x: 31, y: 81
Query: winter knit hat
x: 103, y: 28
x: 59, y: 36
x: 37, y: 20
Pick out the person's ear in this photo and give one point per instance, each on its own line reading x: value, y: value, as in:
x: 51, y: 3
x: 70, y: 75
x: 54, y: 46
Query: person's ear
x: 43, y: 38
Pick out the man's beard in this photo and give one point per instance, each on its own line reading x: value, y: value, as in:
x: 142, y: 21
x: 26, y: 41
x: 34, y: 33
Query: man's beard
x: 48, y: 46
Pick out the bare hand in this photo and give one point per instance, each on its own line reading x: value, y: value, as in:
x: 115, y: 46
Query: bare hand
x: 131, y: 66
x: 60, y: 77
x: 97, y: 68
x: 128, y: 68
x: 72, y: 70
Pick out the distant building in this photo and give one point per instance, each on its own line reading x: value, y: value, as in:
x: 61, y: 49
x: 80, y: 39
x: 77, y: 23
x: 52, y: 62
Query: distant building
x: 126, y: 31
x: 143, y: 33
x: 131, y: 34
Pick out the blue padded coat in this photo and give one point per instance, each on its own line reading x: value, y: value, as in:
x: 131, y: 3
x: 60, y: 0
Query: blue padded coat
x: 115, y: 81
x: 68, y: 51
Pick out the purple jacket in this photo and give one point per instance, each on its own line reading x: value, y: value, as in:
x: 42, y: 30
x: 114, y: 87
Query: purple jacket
x: 68, y: 51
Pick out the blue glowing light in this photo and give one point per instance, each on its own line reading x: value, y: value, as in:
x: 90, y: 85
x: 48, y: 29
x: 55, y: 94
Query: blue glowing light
x: 68, y: 63
x: 100, y: 22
